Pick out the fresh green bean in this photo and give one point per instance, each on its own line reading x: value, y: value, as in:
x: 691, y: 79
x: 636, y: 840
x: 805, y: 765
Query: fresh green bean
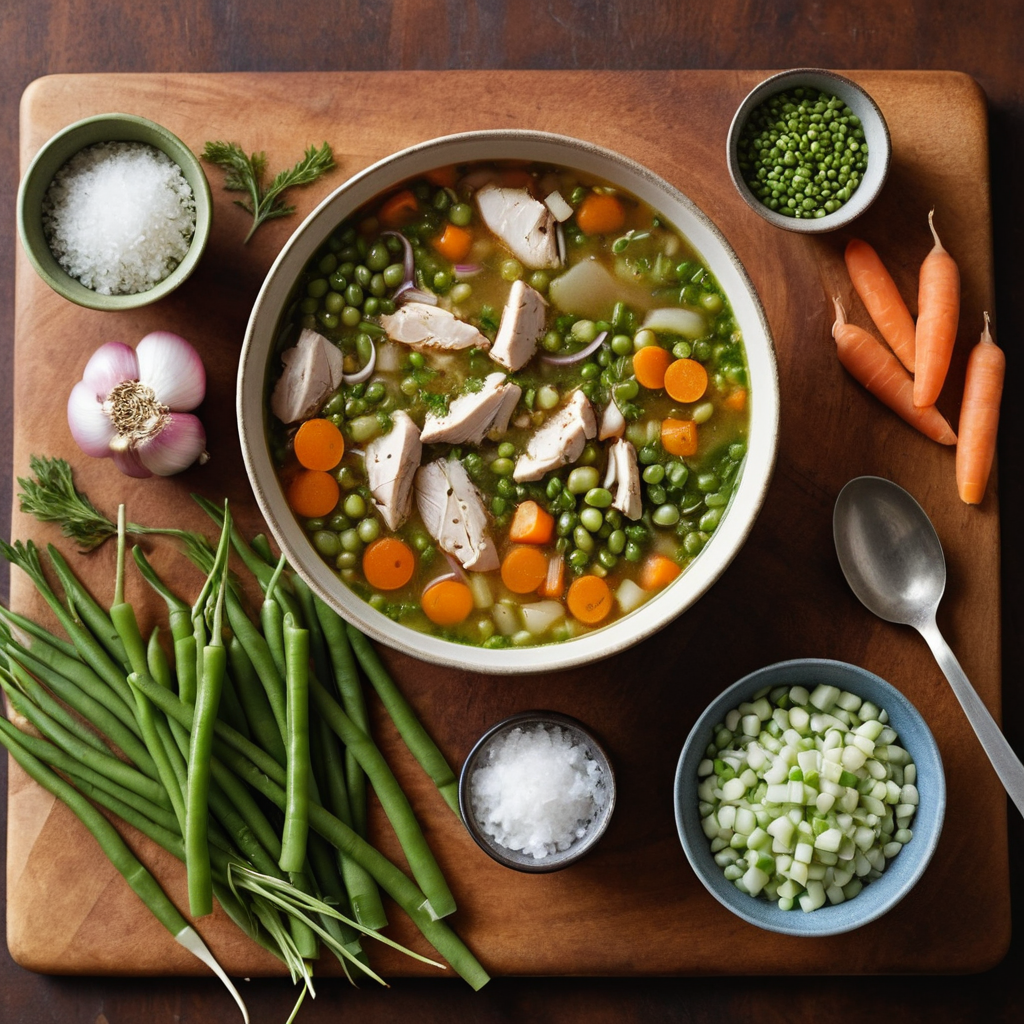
x: 157, y: 662
x: 272, y: 622
x: 211, y: 683
x: 51, y: 754
x: 54, y: 709
x: 327, y: 882
x: 363, y: 892
x: 185, y: 663
x: 346, y: 677
x: 266, y: 776
x: 26, y: 557
x: 296, y: 816
x: 262, y: 661
x: 231, y: 709
x: 197, y: 816
x: 37, y: 632
x: 393, y: 799
x: 409, y: 727
x: 105, y: 763
x: 261, y: 546
x: 253, y: 698
x: 122, y: 858
x: 408, y: 896
x: 179, y: 614
x: 158, y: 742
x: 85, y: 679
x: 161, y: 756
x: 303, y: 935
x: 329, y: 867
x: 85, y: 606
x: 90, y: 709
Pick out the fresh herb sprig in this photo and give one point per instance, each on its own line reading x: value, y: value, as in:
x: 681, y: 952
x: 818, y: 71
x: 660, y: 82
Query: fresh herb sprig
x: 52, y: 498
x: 245, y: 173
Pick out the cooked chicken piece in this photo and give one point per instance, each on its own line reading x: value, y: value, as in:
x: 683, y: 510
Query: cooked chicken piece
x: 421, y: 325
x: 472, y: 416
x: 525, y: 225
x: 624, y: 473
x: 391, y: 462
x: 613, y: 423
x: 522, y: 326
x: 312, y: 370
x: 559, y: 441
x: 453, y: 513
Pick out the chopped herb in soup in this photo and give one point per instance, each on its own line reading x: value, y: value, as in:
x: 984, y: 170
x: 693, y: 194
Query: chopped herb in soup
x: 509, y: 403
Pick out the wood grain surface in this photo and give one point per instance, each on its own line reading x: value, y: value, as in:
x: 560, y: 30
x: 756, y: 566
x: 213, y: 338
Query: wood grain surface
x: 978, y: 37
x: 634, y: 906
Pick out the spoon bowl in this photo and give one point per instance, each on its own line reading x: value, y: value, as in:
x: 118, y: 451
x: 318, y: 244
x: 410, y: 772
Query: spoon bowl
x: 892, y: 558
x: 888, y: 550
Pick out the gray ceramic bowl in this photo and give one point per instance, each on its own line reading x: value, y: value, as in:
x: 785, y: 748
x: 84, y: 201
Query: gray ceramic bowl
x: 56, y: 153
x: 876, y: 134
x: 902, y: 873
x: 262, y: 334
x: 478, y: 757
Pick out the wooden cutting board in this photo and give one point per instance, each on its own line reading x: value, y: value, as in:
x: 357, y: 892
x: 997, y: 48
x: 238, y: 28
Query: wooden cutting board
x: 633, y: 907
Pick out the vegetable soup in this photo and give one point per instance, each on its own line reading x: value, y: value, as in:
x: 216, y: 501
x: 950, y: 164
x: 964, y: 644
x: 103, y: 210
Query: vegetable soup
x: 509, y: 403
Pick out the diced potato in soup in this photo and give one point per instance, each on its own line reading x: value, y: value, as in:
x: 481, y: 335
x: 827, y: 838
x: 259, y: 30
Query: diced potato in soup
x: 493, y: 422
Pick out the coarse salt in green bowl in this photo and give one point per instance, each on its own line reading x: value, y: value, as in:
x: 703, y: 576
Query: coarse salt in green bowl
x: 62, y: 147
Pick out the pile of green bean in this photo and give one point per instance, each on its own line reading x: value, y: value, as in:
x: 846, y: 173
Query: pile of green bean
x: 223, y: 763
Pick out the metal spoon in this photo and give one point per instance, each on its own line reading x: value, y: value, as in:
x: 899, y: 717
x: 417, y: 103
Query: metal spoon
x: 892, y: 559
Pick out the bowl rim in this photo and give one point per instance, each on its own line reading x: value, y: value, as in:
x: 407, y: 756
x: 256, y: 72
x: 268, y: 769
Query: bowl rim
x: 55, y: 153
x: 878, y: 166
x: 556, y: 861
x: 659, y: 610
x: 882, y: 894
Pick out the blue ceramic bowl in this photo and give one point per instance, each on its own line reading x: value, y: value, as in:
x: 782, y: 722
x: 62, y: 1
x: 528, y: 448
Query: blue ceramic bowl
x: 901, y: 874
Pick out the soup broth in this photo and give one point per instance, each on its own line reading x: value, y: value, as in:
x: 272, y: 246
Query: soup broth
x: 509, y: 403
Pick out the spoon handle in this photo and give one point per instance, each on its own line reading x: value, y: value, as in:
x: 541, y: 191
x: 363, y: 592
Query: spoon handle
x: 1006, y: 763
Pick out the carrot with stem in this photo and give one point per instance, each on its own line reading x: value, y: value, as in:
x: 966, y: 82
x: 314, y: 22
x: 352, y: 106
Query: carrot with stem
x: 938, y: 314
x: 881, y: 297
x: 871, y: 364
x: 979, y: 417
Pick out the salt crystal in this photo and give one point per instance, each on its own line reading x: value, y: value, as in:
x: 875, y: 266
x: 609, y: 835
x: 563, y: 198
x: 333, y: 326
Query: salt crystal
x: 538, y: 791
x: 119, y: 217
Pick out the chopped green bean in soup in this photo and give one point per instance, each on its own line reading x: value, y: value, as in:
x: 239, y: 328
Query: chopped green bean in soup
x: 509, y: 470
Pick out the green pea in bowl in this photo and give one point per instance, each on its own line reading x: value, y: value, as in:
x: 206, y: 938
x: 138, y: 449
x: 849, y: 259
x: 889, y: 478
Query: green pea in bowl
x: 808, y: 150
x: 36, y: 217
x: 274, y: 325
x: 865, y: 843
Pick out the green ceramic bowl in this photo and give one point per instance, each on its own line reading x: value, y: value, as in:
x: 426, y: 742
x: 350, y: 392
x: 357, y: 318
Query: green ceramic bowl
x: 61, y: 148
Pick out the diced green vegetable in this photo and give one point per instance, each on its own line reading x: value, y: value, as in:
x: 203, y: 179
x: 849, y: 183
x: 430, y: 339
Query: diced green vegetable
x: 808, y: 820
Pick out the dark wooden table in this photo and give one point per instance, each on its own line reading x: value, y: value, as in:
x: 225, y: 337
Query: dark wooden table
x: 979, y: 37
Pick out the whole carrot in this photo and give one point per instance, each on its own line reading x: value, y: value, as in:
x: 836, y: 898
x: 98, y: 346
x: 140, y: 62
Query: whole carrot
x: 873, y: 365
x: 979, y: 417
x: 938, y: 313
x: 882, y: 299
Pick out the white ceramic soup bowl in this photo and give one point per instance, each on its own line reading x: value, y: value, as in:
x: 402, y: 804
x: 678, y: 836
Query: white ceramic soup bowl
x: 265, y: 324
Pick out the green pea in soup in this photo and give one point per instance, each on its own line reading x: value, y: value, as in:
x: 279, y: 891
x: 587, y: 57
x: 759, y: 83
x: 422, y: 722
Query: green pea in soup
x: 509, y: 403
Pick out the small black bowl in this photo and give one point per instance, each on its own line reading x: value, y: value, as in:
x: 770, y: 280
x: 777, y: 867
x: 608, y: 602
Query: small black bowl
x: 478, y: 757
